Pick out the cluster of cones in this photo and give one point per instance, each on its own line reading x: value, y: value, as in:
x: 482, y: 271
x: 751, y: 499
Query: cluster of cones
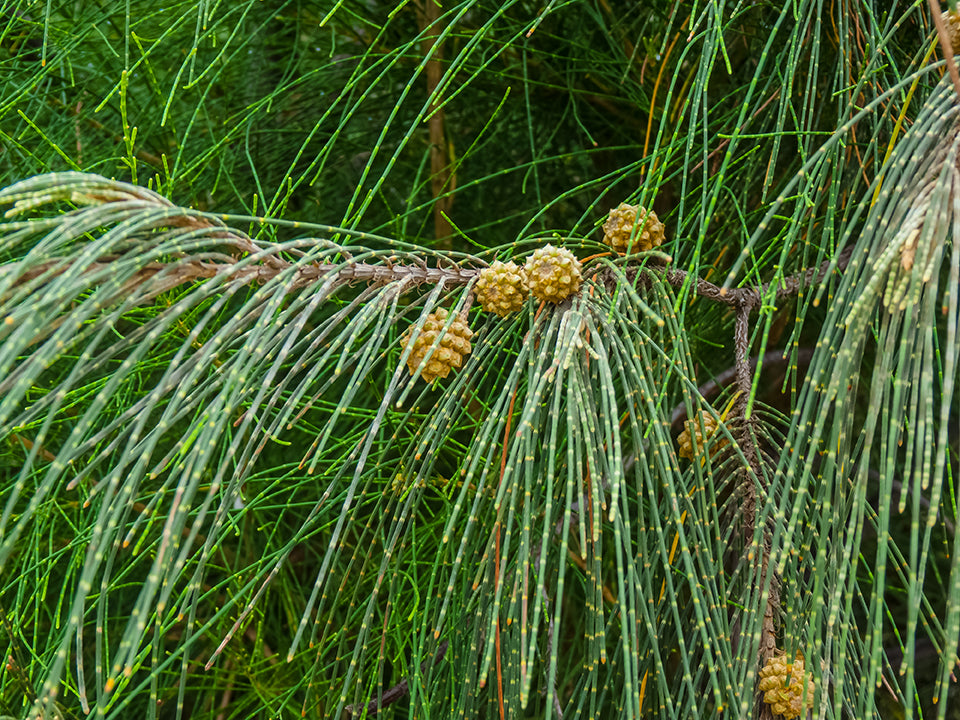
x: 550, y: 274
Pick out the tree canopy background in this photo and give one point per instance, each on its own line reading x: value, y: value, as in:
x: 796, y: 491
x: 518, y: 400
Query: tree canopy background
x: 224, y: 495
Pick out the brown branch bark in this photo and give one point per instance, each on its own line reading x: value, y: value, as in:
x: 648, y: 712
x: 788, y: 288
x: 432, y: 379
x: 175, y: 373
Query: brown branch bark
x: 752, y: 489
x: 442, y: 179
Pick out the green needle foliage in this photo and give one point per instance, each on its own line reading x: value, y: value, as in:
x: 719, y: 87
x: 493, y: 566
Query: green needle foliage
x: 225, y: 490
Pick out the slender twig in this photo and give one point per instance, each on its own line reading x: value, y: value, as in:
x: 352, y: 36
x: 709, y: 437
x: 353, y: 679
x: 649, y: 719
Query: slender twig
x: 399, y: 690
x: 734, y: 297
x: 157, y: 277
x: 741, y: 349
x: 945, y: 43
x: 744, y: 434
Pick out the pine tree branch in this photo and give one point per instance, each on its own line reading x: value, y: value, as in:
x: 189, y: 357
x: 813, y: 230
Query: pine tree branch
x: 736, y: 297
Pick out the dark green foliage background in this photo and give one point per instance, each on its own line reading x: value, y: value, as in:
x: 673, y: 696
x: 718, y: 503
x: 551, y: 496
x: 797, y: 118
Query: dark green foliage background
x: 757, y: 131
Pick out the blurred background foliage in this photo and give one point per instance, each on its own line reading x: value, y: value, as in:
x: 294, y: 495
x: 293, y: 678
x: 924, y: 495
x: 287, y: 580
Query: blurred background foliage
x: 472, y: 127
